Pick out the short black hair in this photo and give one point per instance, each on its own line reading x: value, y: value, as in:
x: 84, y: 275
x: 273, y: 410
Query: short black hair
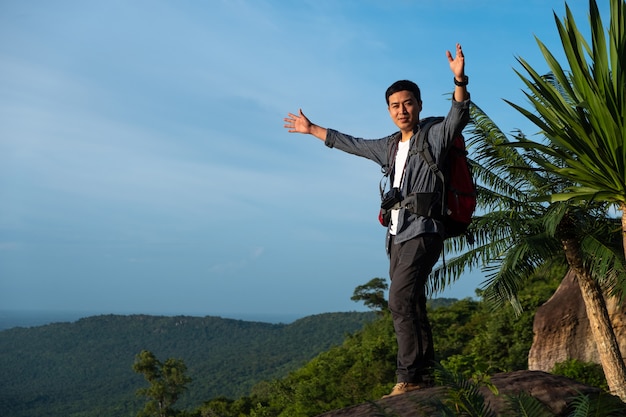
x: 403, y: 85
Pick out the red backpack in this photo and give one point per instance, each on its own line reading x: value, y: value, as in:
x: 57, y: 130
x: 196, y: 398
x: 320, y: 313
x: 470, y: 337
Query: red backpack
x: 460, y: 191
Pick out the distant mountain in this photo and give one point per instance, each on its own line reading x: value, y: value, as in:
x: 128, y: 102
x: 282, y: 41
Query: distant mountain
x: 84, y: 368
x: 32, y: 318
x: 10, y: 319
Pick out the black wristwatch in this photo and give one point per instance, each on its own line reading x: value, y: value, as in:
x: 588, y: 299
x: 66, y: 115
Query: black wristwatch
x: 462, y: 83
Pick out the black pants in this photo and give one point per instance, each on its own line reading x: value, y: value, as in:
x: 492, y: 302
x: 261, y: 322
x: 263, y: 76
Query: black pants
x: 410, y: 265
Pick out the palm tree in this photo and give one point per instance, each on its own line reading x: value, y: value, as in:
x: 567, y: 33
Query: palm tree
x: 519, y: 232
x: 511, y: 240
x: 582, y: 113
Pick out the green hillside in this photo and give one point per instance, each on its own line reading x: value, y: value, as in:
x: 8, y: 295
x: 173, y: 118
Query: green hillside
x: 72, y: 369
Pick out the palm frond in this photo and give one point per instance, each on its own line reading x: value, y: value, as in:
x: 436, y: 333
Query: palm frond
x: 525, y: 405
x: 582, y: 111
x: 493, y: 233
x: 600, y: 405
x: 509, y: 273
x: 491, y: 187
x: 601, y: 244
x: 462, y: 397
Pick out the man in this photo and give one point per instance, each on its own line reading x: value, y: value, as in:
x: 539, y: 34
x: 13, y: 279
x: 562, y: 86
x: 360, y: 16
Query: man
x: 414, y: 242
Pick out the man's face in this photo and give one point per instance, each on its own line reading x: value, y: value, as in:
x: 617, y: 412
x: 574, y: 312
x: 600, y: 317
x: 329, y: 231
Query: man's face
x: 404, y: 110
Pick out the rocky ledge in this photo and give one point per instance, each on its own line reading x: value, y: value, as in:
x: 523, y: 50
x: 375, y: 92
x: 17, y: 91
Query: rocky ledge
x: 555, y: 392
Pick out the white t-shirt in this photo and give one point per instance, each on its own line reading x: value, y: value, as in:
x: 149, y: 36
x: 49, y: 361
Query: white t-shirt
x: 401, y: 155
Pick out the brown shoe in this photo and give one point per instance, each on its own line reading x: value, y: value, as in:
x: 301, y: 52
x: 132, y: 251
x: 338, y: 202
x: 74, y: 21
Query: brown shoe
x: 401, y: 388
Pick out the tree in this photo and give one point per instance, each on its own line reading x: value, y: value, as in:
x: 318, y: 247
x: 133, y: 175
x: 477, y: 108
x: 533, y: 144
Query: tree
x: 372, y: 294
x: 582, y: 113
x: 519, y: 232
x: 167, y: 381
x: 509, y: 224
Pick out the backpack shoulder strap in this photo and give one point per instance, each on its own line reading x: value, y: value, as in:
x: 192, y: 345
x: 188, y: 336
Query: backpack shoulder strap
x: 421, y: 146
x: 423, y: 149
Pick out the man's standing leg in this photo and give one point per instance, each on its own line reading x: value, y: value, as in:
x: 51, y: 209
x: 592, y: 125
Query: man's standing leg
x: 410, y: 265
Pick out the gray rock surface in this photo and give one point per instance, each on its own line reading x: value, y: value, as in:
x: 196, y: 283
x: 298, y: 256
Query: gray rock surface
x: 555, y: 392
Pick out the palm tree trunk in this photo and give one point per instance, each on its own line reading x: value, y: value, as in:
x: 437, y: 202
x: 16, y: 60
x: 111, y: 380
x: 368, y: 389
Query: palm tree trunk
x: 599, y: 320
x: 623, y: 208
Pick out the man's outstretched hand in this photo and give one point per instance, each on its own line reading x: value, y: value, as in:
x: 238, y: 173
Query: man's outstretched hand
x: 297, y: 123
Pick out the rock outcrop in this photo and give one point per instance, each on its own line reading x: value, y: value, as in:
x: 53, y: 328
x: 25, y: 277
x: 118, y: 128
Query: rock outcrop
x: 556, y: 393
x: 561, y: 328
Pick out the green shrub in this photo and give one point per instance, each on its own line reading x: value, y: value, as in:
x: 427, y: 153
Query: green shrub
x: 586, y: 372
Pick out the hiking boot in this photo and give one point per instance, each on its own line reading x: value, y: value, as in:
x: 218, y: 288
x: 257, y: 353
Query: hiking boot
x: 402, y: 387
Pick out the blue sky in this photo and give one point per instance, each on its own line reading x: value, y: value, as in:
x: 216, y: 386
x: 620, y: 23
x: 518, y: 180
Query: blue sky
x: 144, y: 167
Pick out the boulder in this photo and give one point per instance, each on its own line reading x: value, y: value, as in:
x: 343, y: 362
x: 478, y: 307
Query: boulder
x: 556, y: 393
x: 561, y: 328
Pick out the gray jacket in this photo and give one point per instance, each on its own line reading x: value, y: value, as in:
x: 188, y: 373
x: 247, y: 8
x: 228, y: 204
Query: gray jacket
x: 418, y: 177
